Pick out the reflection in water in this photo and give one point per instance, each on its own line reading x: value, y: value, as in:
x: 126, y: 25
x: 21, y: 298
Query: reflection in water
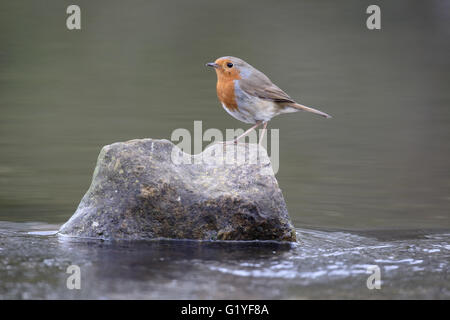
x: 324, y: 264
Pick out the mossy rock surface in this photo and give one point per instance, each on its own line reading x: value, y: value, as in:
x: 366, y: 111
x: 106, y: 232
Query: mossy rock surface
x: 147, y: 189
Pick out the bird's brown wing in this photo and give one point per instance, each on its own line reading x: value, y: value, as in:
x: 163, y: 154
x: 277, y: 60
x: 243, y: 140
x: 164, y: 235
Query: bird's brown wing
x: 258, y: 85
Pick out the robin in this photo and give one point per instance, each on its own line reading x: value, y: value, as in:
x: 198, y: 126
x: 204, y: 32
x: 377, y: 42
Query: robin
x: 248, y: 95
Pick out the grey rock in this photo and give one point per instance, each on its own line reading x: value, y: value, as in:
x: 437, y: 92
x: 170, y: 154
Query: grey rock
x: 147, y: 189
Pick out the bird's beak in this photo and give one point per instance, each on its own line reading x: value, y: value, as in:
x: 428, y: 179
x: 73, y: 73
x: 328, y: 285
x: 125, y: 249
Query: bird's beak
x: 212, y: 64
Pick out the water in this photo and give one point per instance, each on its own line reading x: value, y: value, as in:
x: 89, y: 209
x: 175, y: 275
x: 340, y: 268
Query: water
x: 323, y: 265
x: 380, y: 166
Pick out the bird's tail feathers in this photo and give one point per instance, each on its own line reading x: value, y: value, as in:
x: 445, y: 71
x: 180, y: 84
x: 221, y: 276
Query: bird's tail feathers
x: 305, y: 108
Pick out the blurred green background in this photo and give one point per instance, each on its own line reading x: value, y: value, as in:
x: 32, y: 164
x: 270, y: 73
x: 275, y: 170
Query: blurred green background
x: 136, y: 69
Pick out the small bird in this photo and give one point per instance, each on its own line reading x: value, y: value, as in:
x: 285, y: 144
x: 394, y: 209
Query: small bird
x: 248, y: 95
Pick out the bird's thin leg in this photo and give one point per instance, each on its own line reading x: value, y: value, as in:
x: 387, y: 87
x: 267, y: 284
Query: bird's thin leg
x: 244, y: 134
x: 262, y: 133
x: 258, y: 123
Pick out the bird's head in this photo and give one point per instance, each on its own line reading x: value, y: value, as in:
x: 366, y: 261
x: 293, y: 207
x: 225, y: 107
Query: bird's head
x: 230, y: 68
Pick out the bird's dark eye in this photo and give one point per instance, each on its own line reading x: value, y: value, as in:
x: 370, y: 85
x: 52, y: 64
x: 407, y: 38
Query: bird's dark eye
x: 229, y: 65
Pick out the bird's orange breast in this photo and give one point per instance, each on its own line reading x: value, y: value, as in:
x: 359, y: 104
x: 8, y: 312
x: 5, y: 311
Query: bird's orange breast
x: 226, y: 95
x: 225, y: 88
